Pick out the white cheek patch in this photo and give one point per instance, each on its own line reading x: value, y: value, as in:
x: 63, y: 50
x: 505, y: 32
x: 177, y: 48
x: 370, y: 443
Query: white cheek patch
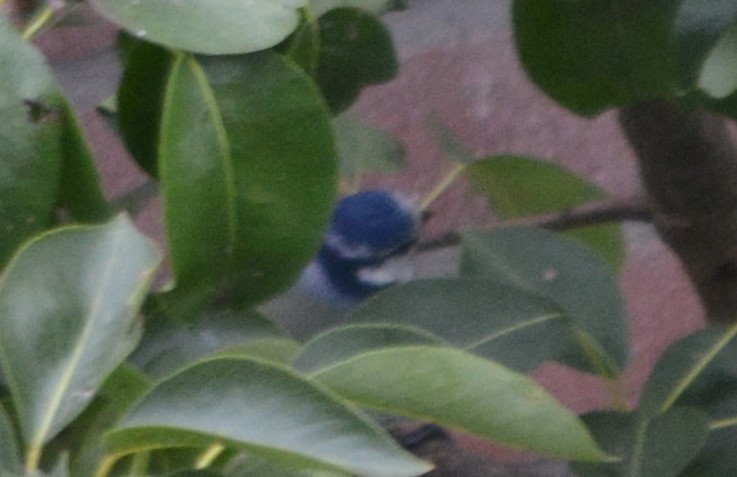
x: 395, y: 270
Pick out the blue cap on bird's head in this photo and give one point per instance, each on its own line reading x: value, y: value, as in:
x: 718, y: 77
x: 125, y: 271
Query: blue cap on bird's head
x: 368, y: 230
x: 371, y: 224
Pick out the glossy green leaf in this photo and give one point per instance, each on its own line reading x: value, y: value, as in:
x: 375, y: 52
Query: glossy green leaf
x: 260, y: 467
x: 594, y: 55
x: 60, y: 468
x: 9, y: 451
x: 718, y: 77
x: 263, y: 408
x: 356, y: 50
x: 568, y: 274
x: 363, y: 148
x: 519, y: 186
x: 701, y: 363
x: 169, y: 344
x: 69, y: 306
x: 215, y: 27
x: 303, y: 47
x: 717, y: 458
x: 196, y: 473
x: 140, y: 101
x: 118, y: 393
x: 80, y: 189
x: 345, y: 342
x: 657, y: 447
x: 30, y: 141
x: 248, y: 174
x: 460, y: 390
x: 512, y: 325
x: 697, y: 28
x: 319, y: 7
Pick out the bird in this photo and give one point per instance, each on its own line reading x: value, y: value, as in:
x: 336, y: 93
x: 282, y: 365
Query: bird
x: 365, y: 248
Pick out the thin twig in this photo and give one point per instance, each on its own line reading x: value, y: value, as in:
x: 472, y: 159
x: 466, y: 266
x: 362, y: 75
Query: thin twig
x: 634, y: 209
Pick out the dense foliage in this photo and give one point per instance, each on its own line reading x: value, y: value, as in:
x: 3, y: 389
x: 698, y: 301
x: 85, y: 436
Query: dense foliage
x: 240, y: 127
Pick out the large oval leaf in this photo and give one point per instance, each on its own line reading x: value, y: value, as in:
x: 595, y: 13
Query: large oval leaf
x: 30, y: 148
x: 461, y: 390
x: 718, y: 76
x: 265, y: 409
x: 214, y: 27
x: 697, y: 27
x: 45, y: 160
x: 80, y: 189
x: 569, y: 274
x: 248, y: 173
x: 657, y: 447
x: 140, y: 101
x: 514, y: 326
x: 518, y: 186
x: 169, y: 344
x: 345, y: 342
x: 320, y: 7
x: 692, y: 370
x: 594, y: 55
x: 356, y: 50
x: 68, y: 303
x: 9, y: 451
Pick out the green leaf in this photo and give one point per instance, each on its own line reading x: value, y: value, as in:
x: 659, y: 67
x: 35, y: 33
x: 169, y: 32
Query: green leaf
x: 702, y: 361
x: 214, y: 27
x: 594, y: 55
x: 697, y: 28
x: 247, y: 168
x: 118, y: 393
x: 30, y: 142
x: 356, y: 50
x: 718, y: 77
x: 717, y: 458
x: 140, y: 101
x: 263, y: 408
x: 68, y: 302
x: 80, y: 190
x: 169, y: 344
x: 658, y: 447
x: 518, y: 186
x: 363, y: 148
x: 568, y: 274
x: 319, y: 7
x: 460, y: 390
x: 345, y: 342
x: 260, y: 467
x: 9, y: 451
x: 512, y: 325
x: 196, y: 473
x: 303, y: 47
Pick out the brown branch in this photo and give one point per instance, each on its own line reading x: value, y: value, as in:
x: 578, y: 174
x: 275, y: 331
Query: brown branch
x: 590, y: 213
x: 688, y: 165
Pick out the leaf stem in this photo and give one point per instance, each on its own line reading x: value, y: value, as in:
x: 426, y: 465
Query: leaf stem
x: 209, y: 455
x: 140, y: 463
x: 33, y: 457
x: 723, y: 423
x: 698, y: 367
x: 442, y: 186
x: 107, y: 464
x: 39, y: 20
x: 606, y: 371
